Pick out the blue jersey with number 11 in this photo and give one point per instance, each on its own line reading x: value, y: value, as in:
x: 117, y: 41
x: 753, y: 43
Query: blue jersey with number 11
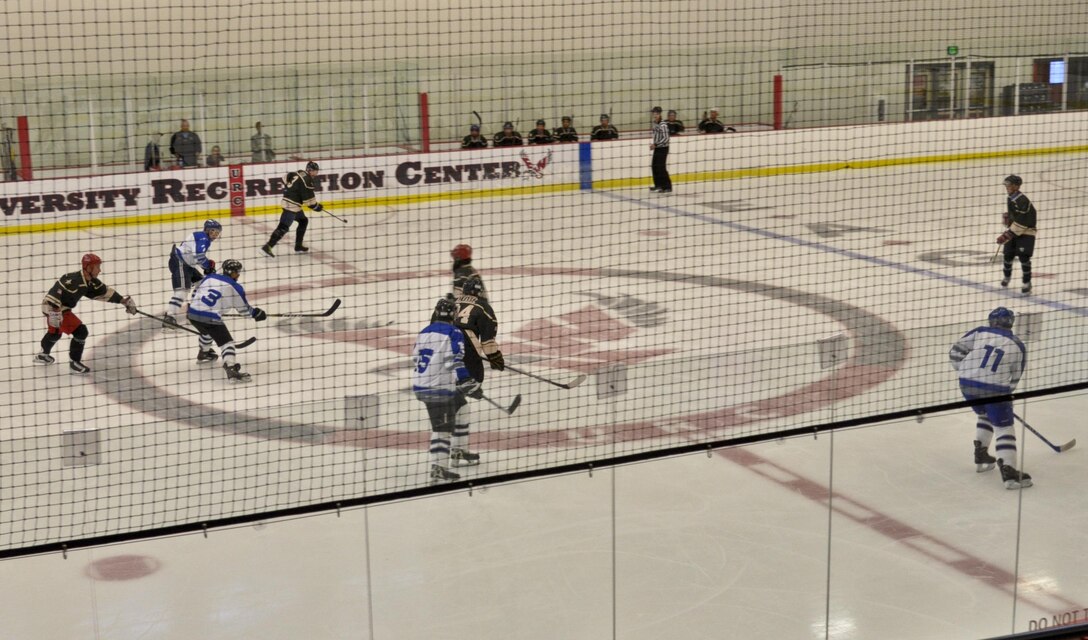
x: 989, y: 359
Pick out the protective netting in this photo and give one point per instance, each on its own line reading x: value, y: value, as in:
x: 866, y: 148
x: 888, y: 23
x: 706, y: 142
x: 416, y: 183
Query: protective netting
x: 837, y: 168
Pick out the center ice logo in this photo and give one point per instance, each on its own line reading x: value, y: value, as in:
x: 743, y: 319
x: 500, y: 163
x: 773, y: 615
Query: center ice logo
x: 585, y: 340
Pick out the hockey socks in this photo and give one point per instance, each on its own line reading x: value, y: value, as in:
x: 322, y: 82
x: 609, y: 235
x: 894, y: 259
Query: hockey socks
x: 440, y: 449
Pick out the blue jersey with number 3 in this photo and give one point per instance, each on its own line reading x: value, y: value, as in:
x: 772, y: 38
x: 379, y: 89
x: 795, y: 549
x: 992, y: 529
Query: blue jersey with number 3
x: 215, y: 294
x: 989, y: 359
x: 437, y: 360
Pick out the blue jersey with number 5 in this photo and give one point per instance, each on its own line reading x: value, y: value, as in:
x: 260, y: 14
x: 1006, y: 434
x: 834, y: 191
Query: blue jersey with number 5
x: 437, y: 360
x: 989, y: 359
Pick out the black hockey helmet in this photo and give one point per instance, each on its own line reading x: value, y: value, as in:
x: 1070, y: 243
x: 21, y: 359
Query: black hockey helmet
x: 473, y: 287
x: 655, y: 110
x: 1014, y: 180
x: 474, y: 127
x: 1001, y: 317
x: 444, y: 311
x: 232, y: 268
x: 508, y: 125
x: 312, y: 166
x: 540, y: 122
x: 567, y: 119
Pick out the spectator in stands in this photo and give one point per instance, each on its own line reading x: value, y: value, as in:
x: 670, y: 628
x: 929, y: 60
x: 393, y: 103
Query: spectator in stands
x: 508, y: 137
x: 675, y: 126
x: 214, y: 159
x: 152, y: 156
x: 540, y: 135
x: 605, y: 130
x: 711, y: 124
x: 261, y: 145
x: 185, y: 146
x: 474, y: 140
x: 566, y: 133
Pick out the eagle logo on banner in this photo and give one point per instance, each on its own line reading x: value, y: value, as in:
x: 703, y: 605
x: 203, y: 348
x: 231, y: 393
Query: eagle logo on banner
x: 535, y: 169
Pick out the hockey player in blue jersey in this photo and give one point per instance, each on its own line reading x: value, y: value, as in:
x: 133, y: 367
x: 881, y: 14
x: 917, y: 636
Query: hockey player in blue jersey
x: 216, y: 294
x: 441, y: 381
x: 989, y: 361
x: 189, y: 263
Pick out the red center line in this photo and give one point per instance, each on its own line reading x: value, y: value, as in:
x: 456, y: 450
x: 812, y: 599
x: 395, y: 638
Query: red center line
x: 964, y: 563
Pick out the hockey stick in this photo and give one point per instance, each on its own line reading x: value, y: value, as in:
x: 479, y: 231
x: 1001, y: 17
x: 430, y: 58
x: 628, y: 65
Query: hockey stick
x: 324, y: 210
x: 570, y: 385
x: 479, y: 119
x: 325, y: 314
x: 507, y: 410
x: 994, y: 257
x: 241, y: 345
x: 1065, y: 447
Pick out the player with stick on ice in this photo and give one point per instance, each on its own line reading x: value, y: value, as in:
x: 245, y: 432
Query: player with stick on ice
x: 441, y: 381
x: 189, y: 263
x: 62, y: 298
x: 1018, y: 240
x: 990, y: 361
x: 216, y: 294
x: 299, y: 193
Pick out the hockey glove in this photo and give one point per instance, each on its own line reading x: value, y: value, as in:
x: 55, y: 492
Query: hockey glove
x: 470, y: 388
x: 1005, y: 237
x: 259, y: 315
x: 130, y: 305
x: 317, y: 207
x: 54, y: 319
x: 497, y: 363
x: 210, y: 269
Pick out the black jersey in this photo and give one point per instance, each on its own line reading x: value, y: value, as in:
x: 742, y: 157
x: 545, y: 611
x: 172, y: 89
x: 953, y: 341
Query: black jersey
x: 604, y: 132
x: 540, y: 137
x: 675, y: 127
x: 463, y: 271
x: 1021, y: 214
x: 468, y: 142
x: 73, y: 287
x: 300, y: 191
x: 711, y: 126
x: 565, y: 134
x: 476, y: 315
x: 503, y: 140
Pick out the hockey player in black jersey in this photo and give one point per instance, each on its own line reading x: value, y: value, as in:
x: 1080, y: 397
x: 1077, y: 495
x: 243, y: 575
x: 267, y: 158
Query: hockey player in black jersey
x: 605, y: 130
x: 676, y: 127
x: 476, y: 319
x: 507, y: 137
x: 57, y: 309
x: 299, y: 193
x: 540, y: 135
x: 566, y: 133
x: 463, y: 270
x: 1019, y: 236
x: 474, y: 140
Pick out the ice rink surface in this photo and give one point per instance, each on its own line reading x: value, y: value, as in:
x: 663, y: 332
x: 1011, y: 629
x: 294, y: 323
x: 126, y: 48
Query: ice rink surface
x: 714, y: 299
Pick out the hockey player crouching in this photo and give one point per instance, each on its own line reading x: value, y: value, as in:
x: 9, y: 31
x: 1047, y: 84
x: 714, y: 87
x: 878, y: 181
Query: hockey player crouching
x: 62, y: 299
x: 441, y: 381
x: 299, y: 192
x: 218, y: 293
x: 185, y: 259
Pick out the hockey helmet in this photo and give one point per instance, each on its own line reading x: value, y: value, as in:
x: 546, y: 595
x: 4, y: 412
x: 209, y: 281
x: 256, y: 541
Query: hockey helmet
x: 461, y: 252
x: 212, y: 225
x: 1014, y: 180
x: 508, y: 125
x: 567, y: 119
x: 444, y: 311
x: 474, y: 127
x: 1001, y: 317
x: 473, y: 287
x: 312, y: 166
x: 89, y: 260
x: 540, y: 122
x: 655, y: 110
x: 604, y: 116
x: 231, y: 267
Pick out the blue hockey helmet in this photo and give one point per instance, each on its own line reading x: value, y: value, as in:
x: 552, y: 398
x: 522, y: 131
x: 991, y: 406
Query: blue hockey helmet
x: 212, y: 225
x: 1001, y: 317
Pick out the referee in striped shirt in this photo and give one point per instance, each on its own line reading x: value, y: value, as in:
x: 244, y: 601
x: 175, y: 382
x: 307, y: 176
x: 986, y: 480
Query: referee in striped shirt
x: 660, y: 145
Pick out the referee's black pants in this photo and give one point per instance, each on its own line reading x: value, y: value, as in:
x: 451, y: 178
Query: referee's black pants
x: 661, y: 173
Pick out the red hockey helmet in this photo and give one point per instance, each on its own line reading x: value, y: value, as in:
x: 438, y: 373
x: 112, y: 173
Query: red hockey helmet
x: 89, y: 260
x: 461, y: 252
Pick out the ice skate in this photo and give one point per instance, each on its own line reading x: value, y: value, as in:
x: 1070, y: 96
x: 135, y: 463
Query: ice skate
x: 301, y: 249
x: 203, y: 356
x: 983, y: 460
x: 79, y: 368
x: 1005, y: 281
x: 267, y: 250
x: 464, y: 458
x: 1012, y: 478
x: 234, y: 372
x: 440, y: 473
x: 1026, y: 289
x: 44, y: 358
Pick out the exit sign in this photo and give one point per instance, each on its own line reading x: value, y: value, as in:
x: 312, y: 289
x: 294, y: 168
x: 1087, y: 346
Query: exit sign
x: 953, y: 50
